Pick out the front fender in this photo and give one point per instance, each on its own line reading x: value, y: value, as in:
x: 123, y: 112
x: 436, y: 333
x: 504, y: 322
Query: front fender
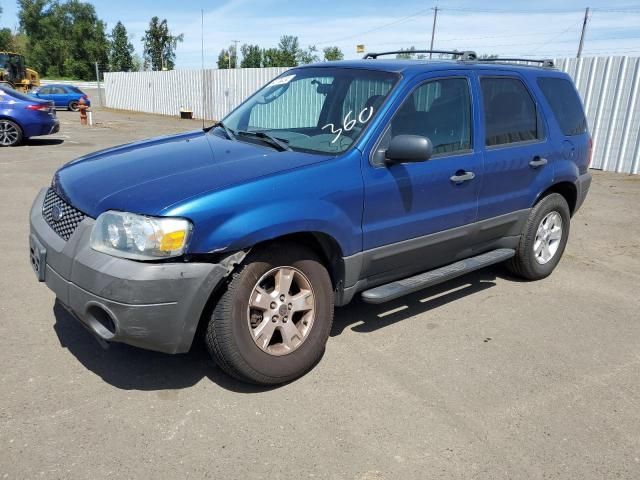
x: 267, y: 222
x: 325, y: 197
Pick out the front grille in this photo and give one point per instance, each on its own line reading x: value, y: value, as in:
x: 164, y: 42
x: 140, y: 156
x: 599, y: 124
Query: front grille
x: 70, y: 219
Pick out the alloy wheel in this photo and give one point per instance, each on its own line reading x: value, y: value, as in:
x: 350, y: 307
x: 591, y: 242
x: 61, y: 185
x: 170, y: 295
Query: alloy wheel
x: 9, y: 133
x: 281, y: 310
x: 548, y: 237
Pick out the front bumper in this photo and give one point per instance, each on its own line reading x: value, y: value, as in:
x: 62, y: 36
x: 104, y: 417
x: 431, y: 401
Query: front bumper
x: 156, y: 306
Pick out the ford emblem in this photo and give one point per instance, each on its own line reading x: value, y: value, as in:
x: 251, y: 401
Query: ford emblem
x: 57, y: 213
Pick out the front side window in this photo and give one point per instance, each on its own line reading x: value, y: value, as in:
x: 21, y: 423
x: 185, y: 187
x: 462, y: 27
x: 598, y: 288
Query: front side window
x: 509, y: 111
x: 439, y: 110
x: 319, y: 110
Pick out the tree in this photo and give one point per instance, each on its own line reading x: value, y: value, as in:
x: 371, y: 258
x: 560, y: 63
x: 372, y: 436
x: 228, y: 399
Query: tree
x: 137, y: 64
x: 63, y: 39
x: 333, y: 53
x: 228, y: 58
x: 271, y: 57
x: 160, y: 46
x: 407, y: 55
x: 288, y: 51
x: 121, y: 50
x: 6, y: 39
x: 251, y: 56
x: 310, y: 55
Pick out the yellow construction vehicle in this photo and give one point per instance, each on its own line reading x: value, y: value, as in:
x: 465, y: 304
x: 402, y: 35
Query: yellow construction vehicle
x: 14, y: 72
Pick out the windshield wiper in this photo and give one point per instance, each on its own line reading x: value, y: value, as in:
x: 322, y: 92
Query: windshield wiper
x: 227, y: 131
x: 279, y: 144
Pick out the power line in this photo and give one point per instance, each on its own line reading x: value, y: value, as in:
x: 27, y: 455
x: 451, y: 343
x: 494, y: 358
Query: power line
x: 379, y: 27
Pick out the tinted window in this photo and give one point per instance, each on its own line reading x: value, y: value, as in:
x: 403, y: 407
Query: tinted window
x: 565, y: 103
x: 439, y: 110
x: 45, y: 90
x: 321, y: 110
x: 509, y: 111
x: 74, y: 90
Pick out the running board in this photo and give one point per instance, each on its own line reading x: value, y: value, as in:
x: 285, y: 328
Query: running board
x: 399, y: 288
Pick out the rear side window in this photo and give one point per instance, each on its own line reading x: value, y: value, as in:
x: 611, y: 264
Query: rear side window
x: 75, y: 89
x: 565, y: 103
x: 509, y: 111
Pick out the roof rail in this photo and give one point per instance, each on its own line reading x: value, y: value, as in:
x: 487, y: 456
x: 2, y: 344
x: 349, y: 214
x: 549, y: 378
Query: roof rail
x: 464, y: 56
x: 545, y: 62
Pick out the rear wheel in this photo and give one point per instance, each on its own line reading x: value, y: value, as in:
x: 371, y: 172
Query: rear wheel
x: 272, y: 323
x: 73, y: 106
x: 10, y: 133
x: 544, y: 239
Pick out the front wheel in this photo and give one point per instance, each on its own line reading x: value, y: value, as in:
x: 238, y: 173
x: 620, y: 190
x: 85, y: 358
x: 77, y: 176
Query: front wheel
x: 10, y: 133
x: 543, y: 240
x: 272, y: 323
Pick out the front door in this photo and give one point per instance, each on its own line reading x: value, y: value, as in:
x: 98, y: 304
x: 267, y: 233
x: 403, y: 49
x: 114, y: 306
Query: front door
x: 415, y: 214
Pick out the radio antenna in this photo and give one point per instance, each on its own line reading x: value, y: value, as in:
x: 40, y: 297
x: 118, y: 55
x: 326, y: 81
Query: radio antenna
x: 203, y: 82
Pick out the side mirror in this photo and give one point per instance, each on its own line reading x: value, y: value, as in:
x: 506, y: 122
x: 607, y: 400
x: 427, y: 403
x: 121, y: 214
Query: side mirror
x: 408, y: 149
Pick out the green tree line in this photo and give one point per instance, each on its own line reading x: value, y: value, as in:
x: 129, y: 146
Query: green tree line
x: 67, y: 39
x: 287, y: 53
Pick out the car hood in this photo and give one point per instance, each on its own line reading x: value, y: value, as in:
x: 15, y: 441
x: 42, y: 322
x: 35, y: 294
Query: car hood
x: 149, y: 176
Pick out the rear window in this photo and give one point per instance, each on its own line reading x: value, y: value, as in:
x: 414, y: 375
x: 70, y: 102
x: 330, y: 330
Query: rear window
x: 510, y: 113
x: 565, y: 103
x: 75, y: 89
x: 17, y: 95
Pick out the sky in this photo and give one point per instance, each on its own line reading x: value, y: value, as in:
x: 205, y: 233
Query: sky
x: 544, y: 28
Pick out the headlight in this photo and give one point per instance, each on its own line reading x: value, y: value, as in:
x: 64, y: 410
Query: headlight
x: 138, y: 237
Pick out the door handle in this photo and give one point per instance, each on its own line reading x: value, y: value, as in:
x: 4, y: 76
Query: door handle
x: 461, y: 176
x: 537, y: 162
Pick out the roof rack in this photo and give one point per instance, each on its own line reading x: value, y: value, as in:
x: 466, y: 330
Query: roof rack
x: 464, y: 56
x: 545, y: 62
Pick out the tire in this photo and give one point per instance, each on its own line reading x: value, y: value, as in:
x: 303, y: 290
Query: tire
x: 73, y: 106
x: 10, y: 133
x: 234, y: 323
x: 533, y: 263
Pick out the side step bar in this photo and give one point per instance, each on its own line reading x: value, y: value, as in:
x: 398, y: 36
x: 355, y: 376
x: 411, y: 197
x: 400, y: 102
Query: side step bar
x: 399, y: 288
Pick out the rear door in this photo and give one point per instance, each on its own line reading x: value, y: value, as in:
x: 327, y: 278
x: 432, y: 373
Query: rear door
x: 415, y: 213
x: 59, y: 96
x: 517, y: 153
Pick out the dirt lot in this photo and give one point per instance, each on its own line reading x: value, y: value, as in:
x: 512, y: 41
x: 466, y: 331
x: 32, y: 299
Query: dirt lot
x: 483, y: 377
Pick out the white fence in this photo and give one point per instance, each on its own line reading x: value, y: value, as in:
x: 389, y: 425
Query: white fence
x: 609, y: 86
x: 166, y: 93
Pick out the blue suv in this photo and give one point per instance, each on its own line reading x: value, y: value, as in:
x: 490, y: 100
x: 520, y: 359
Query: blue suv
x: 374, y: 178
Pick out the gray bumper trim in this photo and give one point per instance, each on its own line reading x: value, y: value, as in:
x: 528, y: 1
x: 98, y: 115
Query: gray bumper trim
x: 154, y: 306
x: 582, y: 185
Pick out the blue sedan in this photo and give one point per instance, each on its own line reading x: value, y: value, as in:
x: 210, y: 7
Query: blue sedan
x: 22, y: 117
x: 63, y: 96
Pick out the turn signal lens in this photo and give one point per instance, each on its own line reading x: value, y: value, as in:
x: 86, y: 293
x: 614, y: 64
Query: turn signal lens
x: 172, y: 241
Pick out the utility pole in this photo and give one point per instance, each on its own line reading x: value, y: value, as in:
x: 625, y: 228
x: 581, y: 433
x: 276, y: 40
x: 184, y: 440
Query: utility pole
x: 98, y: 80
x: 584, y: 30
x: 236, y: 53
x: 433, y: 29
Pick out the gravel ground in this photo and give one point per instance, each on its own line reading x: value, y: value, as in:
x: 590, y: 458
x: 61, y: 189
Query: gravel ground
x: 483, y: 377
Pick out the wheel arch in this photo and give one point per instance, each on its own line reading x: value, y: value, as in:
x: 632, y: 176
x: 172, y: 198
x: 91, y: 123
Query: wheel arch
x: 567, y: 189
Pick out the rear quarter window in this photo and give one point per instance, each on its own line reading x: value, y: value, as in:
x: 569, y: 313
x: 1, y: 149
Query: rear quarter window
x: 565, y: 104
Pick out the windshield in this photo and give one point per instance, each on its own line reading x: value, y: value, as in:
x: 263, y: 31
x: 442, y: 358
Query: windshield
x: 321, y: 110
